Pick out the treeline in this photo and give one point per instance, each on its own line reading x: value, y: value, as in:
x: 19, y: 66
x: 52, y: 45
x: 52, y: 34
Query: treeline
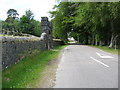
x: 95, y: 23
x: 25, y: 24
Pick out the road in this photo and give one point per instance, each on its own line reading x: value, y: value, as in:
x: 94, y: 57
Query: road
x: 83, y: 66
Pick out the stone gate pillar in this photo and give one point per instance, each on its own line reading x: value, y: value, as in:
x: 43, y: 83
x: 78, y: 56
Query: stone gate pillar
x: 47, y: 29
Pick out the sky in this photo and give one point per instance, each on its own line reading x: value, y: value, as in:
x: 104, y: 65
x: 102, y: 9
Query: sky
x: 38, y: 7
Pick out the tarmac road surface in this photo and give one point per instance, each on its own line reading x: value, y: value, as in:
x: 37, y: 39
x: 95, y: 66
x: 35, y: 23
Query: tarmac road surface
x: 83, y: 66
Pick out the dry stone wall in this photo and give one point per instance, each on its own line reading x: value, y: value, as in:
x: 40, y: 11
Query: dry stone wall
x: 13, y: 48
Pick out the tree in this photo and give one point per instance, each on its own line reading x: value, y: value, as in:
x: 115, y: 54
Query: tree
x: 37, y: 28
x: 12, y: 13
x: 29, y: 25
x: 63, y: 20
x: 25, y: 22
x: 93, y: 23
x: 29, y: 15
x: 114, y: 19
x: 8, y: 24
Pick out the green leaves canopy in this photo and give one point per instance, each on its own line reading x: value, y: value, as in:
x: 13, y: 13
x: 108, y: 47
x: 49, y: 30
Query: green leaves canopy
x: 92, y: 21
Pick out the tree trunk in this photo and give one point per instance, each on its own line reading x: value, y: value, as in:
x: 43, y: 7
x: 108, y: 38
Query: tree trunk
x: 96, y: 41
x: 111, y: 42
x: 78, y: 38
x: 112, y: 37
x: 115, y: 44
x: 108, y: 41
x: 100, y: 43
x: 115, y: 40
x: 93, y: 40
x: 86, y: 38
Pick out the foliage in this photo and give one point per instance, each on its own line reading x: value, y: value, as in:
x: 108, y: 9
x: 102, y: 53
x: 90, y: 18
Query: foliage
x: 26, y: 23
x: 63, y: 20
x: 12, y: 13
x: 93, y: 22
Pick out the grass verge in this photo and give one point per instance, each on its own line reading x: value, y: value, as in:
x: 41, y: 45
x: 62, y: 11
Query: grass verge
x: 28, y: 70
x: 107, y: 49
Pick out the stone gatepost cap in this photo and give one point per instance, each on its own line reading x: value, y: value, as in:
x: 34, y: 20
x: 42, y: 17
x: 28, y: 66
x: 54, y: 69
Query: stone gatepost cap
x: 44, y: 18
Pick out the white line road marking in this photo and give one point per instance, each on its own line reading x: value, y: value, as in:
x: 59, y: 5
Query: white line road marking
x: 99, y: 62
x: 102, y: 56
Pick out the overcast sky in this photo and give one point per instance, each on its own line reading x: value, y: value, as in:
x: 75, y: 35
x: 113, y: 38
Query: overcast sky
x: 39, y: 7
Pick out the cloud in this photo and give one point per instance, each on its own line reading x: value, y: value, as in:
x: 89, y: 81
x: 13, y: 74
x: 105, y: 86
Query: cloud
x: 39, y: 7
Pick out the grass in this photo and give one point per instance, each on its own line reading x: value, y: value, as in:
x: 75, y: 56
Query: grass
x: 28, y: 70
x: 107, y: 49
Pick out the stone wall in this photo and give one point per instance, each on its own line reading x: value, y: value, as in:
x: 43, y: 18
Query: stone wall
x: 13, y: 48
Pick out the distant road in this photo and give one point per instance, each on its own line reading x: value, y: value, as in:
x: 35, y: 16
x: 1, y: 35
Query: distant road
x: 87, y: 67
